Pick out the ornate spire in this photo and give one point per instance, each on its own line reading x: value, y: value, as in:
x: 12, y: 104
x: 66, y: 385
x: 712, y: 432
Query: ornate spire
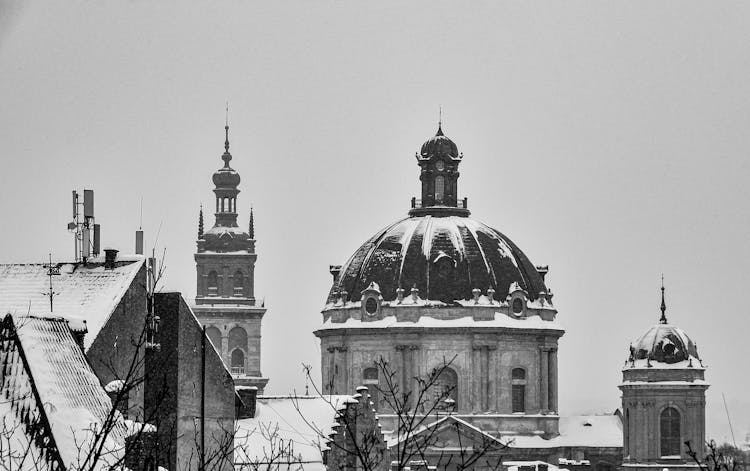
x: 440, y: 122
x: 200, y: 222
x: 251, y: 228
x: 663, y: 319
x: 226, y: 130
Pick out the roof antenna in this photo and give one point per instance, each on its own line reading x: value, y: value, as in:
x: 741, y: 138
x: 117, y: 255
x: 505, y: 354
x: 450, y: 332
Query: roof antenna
x: 226, y: 129
x: 51, y: 271
x: 663, y: 319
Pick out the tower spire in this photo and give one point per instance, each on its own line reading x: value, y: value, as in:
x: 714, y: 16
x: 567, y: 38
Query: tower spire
x: 226, y: 129
x: 663, y: 319
x: 251, y: 228
x: 440, y: 121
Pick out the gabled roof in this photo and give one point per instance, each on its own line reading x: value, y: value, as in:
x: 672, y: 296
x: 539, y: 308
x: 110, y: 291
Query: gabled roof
x: 52, y: 400
x: 299, y: 423
x: 83, y: 292
x: 449, y: 429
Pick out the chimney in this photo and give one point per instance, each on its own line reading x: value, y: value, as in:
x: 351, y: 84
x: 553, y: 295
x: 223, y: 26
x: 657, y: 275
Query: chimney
x: 139, y: 242
x: 110, y: 255
x: 246, y: 402
x: 335, y: 270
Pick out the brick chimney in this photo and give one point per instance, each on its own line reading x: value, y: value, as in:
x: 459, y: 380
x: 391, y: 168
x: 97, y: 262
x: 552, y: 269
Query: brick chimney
x: 110, y: 255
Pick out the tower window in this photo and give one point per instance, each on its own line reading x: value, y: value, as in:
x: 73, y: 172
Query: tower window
x: 213, y: 283
x: 214, y: 335
x: 669, y: 426
x: 370, y: 379
x: 239, y: 284
x: 439, y: 188
x: 238, y: 362
x: 518, y: 389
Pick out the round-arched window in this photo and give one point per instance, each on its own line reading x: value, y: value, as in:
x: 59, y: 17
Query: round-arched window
x: 669, y: 426
x: 238, y: 362
x: 214, y: 335
x: 439, y: 188
x: 237, y: 338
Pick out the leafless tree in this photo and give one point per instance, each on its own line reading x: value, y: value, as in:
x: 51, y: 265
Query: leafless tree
x: 719, y: 458
x: 417, y: 411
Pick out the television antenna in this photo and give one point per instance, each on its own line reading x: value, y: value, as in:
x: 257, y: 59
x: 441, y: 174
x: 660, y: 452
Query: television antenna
x: 52, y: 271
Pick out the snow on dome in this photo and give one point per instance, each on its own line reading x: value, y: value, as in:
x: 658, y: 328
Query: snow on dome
x: 664, y: 343
x: 439, y: 144
x: 445, y: 258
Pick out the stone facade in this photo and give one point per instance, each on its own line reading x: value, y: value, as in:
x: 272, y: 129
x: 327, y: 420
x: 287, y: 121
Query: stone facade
x: 225, y: 282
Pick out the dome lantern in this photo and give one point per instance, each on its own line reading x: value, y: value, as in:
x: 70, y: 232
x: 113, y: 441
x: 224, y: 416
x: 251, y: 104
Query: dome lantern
x: 438, y: 159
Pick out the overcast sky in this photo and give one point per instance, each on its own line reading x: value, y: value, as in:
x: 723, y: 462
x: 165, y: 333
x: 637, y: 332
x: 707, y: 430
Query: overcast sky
x: 608, y: 140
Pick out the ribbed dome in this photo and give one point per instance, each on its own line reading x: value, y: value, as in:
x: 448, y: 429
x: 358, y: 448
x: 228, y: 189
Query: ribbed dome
x: 439, y: 144
x: 663, y: 343
x: 444, y: 257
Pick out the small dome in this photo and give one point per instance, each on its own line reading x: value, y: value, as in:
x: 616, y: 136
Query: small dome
x: 440, y: 144
x: 226, y: 177
x: 445, y: 258
x: 664, y: 343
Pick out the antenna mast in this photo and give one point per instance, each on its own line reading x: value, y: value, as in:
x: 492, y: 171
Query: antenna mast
x: 52, y: 270
x: 81, y: 227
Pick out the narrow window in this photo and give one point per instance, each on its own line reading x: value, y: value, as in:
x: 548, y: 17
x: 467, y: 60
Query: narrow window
x: 239, y: 284
x: 446, y: 390
x: 669, y: 426
x: 370, y: 379
x: 439, y: 188
x: 518, y: 389
x: 213, y: 283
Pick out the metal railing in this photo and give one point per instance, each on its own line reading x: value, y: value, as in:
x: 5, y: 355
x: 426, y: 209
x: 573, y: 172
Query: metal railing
x: 462, y: 203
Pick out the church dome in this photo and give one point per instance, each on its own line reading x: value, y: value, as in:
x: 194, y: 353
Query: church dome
x: 664, y: 343
x: 445, y: 258
x: 439, y: 144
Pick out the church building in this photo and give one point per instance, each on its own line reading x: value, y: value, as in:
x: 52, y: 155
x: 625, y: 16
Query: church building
x: 225, y: 299
x: 440, y: 290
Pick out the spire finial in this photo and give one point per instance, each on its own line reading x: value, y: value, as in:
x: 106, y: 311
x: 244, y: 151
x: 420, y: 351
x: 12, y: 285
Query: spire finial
x: 200, y: 222
x: 663, y: 319
x: 440, y: 121
x: 226, y: 129
x: 251, y: 229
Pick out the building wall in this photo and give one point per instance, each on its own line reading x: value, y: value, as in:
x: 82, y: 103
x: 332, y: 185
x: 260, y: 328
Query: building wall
x: 183, y: 356
x: 482, y: 360
x: 112, y: 352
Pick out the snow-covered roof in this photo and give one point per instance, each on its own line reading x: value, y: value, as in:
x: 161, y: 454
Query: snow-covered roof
x: 576, y: 431
x: 500, y: 321
x: 295, y: 427
x: 83, y: 292
x: 49, y: 382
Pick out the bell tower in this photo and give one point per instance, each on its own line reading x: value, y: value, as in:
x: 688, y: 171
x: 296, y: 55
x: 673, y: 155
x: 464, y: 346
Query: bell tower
x: 663, y: 399
x: 225, y: 299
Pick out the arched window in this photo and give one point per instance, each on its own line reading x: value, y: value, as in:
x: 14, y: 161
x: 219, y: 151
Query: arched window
x: 213, y: 283
x: 669, y: 426
x: 239, y: 283
x: 238, y: 362
x: 439, y: 188
x: 214, y: 335
x: 445, y: 390
x: 370, y: 379
x: 237, y: 339
x: 518, y: 389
